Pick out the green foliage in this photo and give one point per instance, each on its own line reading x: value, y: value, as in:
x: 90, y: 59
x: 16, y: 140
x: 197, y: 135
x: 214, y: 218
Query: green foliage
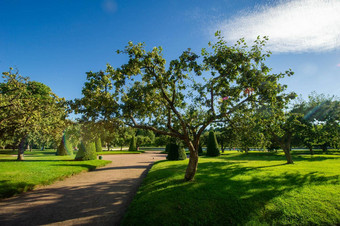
x: 174, y: 100
x: 87, y: 151
x: 241, y: 189
x: 175, y: 152
x: 29, y: 110
x: 41, y: 168
x: 181, y: 153
x: 212, y: 147
x: 133, y: 146
x: 167, y: 147
x: 98, y: 145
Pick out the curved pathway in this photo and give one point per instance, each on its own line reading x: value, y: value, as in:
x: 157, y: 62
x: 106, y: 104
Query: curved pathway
x: 99, y: 197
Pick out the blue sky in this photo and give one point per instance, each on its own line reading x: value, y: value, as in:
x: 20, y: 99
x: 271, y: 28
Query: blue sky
x: 56, y: 42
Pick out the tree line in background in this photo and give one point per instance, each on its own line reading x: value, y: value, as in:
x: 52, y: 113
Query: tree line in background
x: 228, y: 89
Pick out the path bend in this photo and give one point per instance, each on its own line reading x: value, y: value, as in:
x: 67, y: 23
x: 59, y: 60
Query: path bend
x: 99, y: 197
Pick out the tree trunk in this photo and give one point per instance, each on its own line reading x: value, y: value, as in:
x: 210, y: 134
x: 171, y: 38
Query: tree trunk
x: 192, y: 166
x: 246, y: 150
x: 324, y: 148
x: 286, y: 150
x: 311, y: 150
x: 21, y: 149
x: 222, y: 147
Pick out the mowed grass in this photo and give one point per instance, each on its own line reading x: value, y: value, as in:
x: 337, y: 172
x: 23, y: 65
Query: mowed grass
x: 38, y: 168
x: 239, y: 189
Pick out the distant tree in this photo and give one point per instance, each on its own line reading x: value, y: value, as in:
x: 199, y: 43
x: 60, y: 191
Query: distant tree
x: 28, y: 107
x: 321, y: 117
x: 174, y: 99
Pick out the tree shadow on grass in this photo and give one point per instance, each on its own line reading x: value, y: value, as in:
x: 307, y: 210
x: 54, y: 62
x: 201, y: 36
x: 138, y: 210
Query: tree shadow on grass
x: 272, y: 156
x: 241, y: 192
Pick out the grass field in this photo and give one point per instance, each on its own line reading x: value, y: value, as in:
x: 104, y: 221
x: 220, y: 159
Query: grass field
x: 239, y: 189
x: 38, y: 168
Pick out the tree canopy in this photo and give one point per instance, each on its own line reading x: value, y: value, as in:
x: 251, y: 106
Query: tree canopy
x: 182, y: 98
x: 29, y: 107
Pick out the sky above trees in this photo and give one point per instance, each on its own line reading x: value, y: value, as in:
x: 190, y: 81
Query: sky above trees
x: 56, y: 42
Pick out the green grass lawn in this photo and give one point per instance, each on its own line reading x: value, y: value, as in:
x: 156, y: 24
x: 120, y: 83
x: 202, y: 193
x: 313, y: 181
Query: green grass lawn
x: 38, y: 168
x: 239, y: 189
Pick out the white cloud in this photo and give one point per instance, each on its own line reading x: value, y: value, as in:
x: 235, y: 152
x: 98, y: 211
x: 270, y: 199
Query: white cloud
x: 292, y: 26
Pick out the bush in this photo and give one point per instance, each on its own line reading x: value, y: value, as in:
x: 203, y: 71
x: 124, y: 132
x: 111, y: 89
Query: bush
x: 181, y: 153
x: 65, y: 147
x: 200, y: 150
x: 87, y: 151
x: 175, y: 152
x: 133, y: 146
x: 212, y: 147
x: 167, y: 148
x: 99, y: 145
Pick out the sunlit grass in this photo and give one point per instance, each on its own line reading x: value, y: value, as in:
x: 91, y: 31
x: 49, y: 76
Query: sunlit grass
x: 38, y: 168
x: 253, y: 189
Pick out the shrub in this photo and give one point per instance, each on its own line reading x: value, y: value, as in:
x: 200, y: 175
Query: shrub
x: 167, y: 148
x: 133, y: 146
x: 181, y: 153
x: 87, y: 151
x: 65, y: 147
x: 212, y: 147
x: 99, y: 145
x: 200, y: 150
x: 175, y: 152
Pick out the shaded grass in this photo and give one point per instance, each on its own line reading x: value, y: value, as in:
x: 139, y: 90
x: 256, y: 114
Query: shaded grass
x: 240, y: 189
x: 39, y: 168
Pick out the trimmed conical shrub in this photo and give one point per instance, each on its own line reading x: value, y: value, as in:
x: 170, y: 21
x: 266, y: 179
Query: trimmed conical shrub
x: 200, y: 150
x: 181, y: 153
x: 99, y: 145
x: 65, y: 147
x: 87, y: 151
x: 167, y: 148
x: 212, y: 148
x: 175, y: 152
x: 133, y: 146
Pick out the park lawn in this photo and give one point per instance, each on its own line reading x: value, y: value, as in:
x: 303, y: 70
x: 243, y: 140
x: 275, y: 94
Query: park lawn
x: 39, y: 168
x: 235, y: 188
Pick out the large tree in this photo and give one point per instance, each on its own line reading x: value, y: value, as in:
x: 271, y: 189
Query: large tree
x: 28, y: 107
x: 181, y: 99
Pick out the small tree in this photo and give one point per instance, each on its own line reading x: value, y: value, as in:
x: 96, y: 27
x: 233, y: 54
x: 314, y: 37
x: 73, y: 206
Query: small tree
x: 212, y: 148
x: 99, y: 145
x: 133, y: 146
x: 87, y: 151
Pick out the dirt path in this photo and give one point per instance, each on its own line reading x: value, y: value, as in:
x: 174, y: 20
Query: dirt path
x: 99, y: 197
